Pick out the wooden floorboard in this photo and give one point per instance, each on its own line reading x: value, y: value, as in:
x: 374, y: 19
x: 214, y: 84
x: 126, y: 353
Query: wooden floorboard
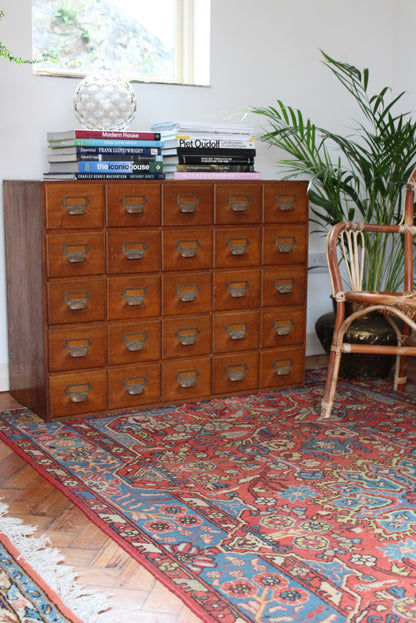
x: 136, y: 597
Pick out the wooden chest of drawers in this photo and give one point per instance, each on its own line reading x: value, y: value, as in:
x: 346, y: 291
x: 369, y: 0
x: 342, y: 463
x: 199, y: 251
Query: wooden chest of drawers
x: 123, y: 294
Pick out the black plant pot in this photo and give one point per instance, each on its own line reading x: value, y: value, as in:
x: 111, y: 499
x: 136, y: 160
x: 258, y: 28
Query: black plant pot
x: 372, y: 328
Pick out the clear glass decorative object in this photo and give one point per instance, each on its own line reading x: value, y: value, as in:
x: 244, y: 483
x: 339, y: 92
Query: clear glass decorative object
x: 104, y: 102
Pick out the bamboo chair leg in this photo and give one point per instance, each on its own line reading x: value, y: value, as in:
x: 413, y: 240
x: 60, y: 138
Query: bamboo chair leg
x: 400, y: 374
x: 331, y: 383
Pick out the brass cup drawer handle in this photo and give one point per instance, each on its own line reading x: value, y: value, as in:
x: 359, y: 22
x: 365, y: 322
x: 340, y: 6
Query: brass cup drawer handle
x: 78, y: 347
x: 187, y: 203
x: 239, y: 203
x: 134, y: 341
x: 238, y: 246
x: 282, y: 367
x: 77, y: 300
x: 284, y: 286
x: 78, y: 392
x: 285, y: 203
x: 134, y: 204
x: 237, y: 331
x: 237, y: 289
x: 75, y: 253
x: 135, y: 385
x: 283, y: 326
x: 134, y: 250
x: 134, y: 296
x: 236, y: 372
x: 187, y: 292
x: 75, y: 206
x: 187, y: 248
x: 285, y: 244
x: 187, y: 336
x: 187, y: 378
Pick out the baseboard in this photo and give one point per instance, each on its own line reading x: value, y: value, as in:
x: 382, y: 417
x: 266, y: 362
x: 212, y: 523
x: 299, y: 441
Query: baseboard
x: 4, y: 377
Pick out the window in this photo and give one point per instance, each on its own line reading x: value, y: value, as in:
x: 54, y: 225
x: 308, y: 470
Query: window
x: 162, y: 41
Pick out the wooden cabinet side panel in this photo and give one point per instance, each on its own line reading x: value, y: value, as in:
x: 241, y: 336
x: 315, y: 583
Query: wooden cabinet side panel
x: 24, y: 286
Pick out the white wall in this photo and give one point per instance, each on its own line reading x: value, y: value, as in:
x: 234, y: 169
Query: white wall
x: 261, y: 51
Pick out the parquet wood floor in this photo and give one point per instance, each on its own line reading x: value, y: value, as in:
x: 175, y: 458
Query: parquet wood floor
x: 101, y: 565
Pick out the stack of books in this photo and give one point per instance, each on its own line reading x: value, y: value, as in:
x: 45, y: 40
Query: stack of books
x: 193, y: 150
x: 102, y: 154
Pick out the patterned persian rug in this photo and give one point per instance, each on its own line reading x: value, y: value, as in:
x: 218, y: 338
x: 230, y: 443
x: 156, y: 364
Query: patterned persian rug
x: 249, y: 508
x: 35, y: 587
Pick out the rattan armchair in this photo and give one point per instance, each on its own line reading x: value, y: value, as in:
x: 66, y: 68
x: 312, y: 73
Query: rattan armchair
x: 348, y: 239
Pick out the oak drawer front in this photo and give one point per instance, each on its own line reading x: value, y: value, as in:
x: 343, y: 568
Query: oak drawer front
x: 283, y: 286
x: 187, y: 249
x: 133, y: 205
x: 235, y: 373
x: 70, y: 254
x: 236, y: 289
x: 76, y: 300
x: 133, y: 251
x: 233, y: 331
x: 133, y: 297
x: 282, y: 367
x: 74, y: 393
x: 185, y: 379
x: 282, y: 327
x: 186, y: 336
x: 285, y: 203
x: 133, y: 342
x: 134, y: 385
x: 84, y: 346
x: 284, y: 245
x: 187, y: 204
x: 238, y: 203
x: 186, y: 293
x: 236, y: 247
x: 70, y: 206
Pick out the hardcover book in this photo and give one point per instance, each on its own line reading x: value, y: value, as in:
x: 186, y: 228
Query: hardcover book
x: 110, y: 134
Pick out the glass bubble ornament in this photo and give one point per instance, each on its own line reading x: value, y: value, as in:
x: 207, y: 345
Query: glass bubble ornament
x: 104, y: 101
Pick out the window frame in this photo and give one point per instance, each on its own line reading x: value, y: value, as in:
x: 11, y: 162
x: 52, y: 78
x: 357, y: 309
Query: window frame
x: 188, y: 68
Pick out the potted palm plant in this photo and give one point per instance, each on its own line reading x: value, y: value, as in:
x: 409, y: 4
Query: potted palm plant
x: 356, y: 176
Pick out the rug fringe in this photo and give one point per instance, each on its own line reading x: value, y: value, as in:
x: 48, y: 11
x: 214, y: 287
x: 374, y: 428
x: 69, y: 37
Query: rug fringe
x: 47, y: 561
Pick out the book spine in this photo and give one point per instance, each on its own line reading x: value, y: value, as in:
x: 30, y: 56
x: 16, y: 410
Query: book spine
x: 104, y: 142
x: 211, y: 143
x: 115, y: 157
x: 184, y: 175
x: 118, y: 176
x: 138, y: 136
x: 118, y: 166
x: 215, y: 160
x: 134, y: 151
x: 214, y: 167
x: 103, y: 158
x: 192, y: 151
